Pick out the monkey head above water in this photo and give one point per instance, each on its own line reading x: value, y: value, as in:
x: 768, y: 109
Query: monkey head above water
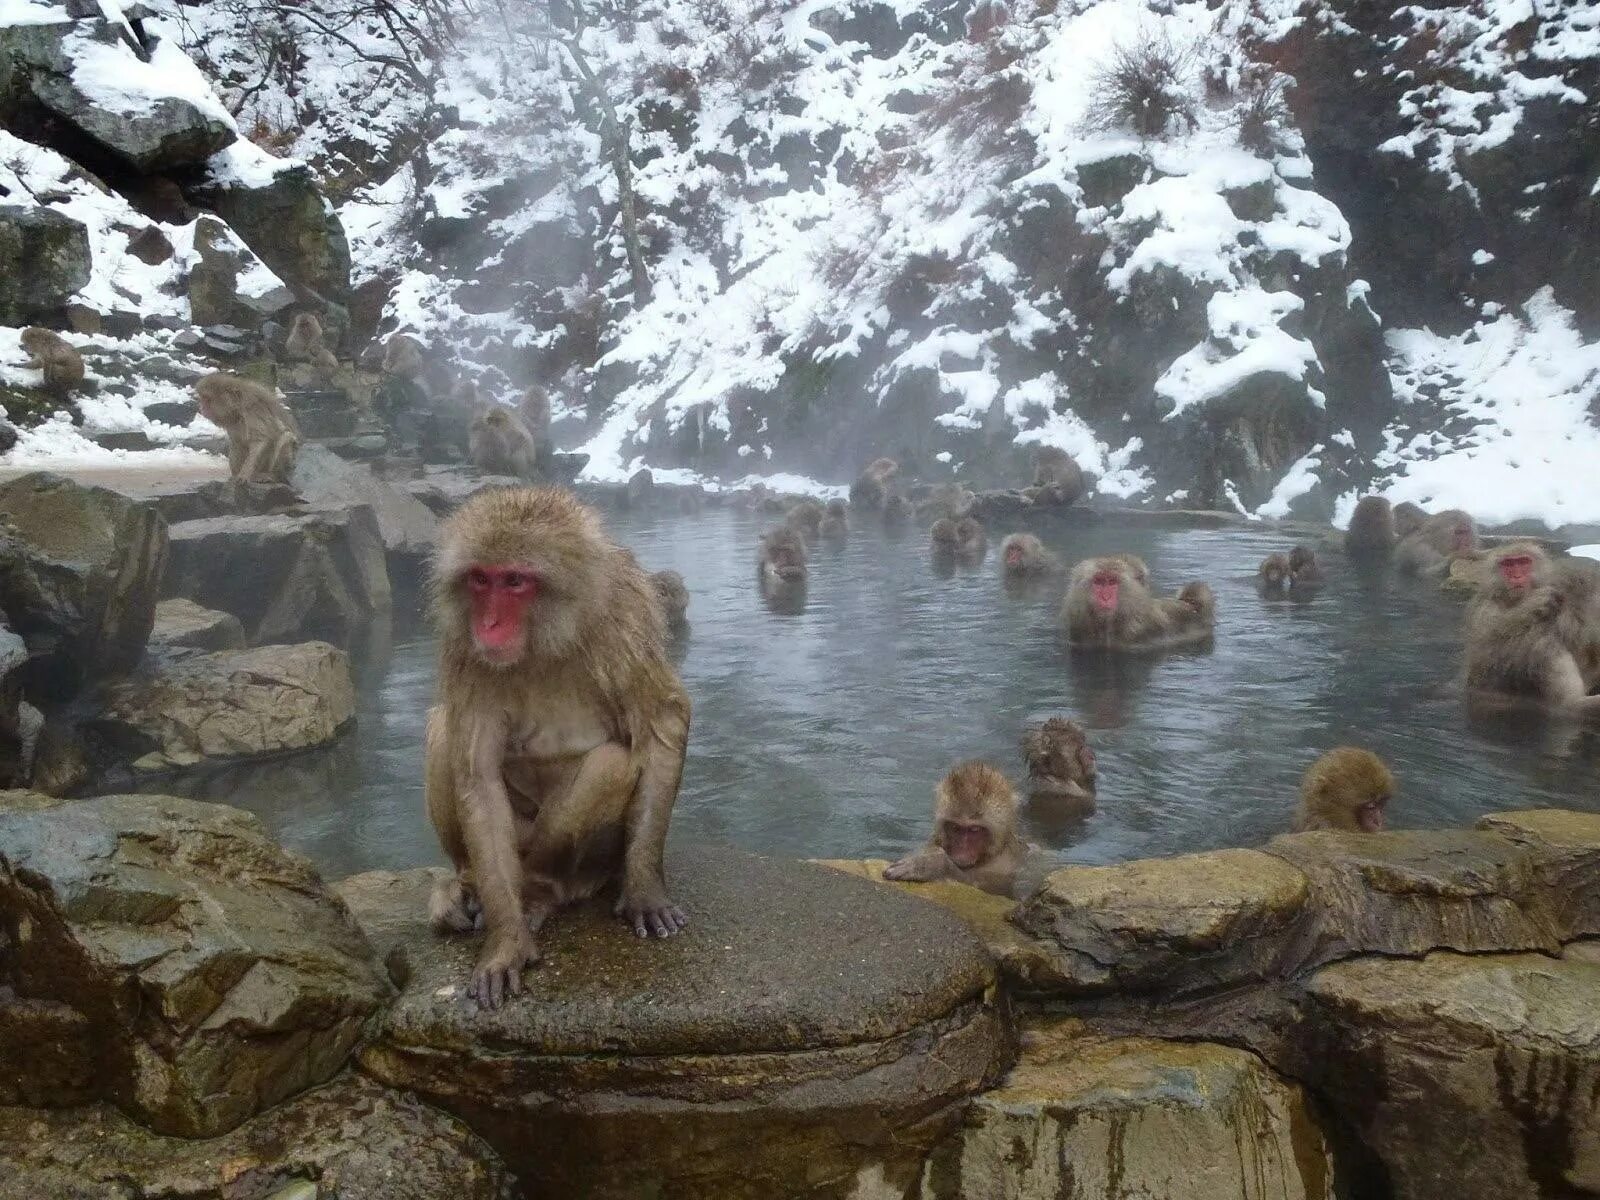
x: 835, y: 523
x: 1061, y: 767
x: 1346, y: 789
x: 1533, y: 629
x: 556, y: 747
x: 974, y: 833
x: 1108, y: 606
x: 783, y: 558
x: 1022, y: 554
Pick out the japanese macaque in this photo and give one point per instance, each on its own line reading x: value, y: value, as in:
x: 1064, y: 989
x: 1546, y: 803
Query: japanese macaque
x: 674, y: 597
x: 1428, y: 549
x: 402, y: 357
x: 641, y: 488
x: 465, y: 395
x: 1346, y: 789
x: 304, y: 340
x: 1273, y: 574
x: 1296, y: 571
x: 1371, y: 533
x: 1023, y: 556
x: 806, y: 517
x: 897, y: 512
x: 835, y: 523
x: 1057, y: 478
x: 325, y: 365
x: 1061, y: 767
x: 1408, y: 518
x: 974, y: 833
x: 871, y: 488
x: 1109, y: 607
x: 783, y: 558
x: 54, y: 356
x: 1304, y: 570
x: 1533, y: 629
x: 556, y: 747
x: 948, y: 500
x: 263, y: 438
x: 498, y: 443
x: 535, y: 412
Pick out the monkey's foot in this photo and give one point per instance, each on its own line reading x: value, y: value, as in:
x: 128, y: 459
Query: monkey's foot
x: 454, y: 907
x: 650, y: 911
x: 498, y: 971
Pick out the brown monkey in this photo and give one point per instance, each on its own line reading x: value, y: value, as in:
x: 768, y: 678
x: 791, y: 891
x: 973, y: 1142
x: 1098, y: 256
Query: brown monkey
x: 52, y: 354
x: 1304, y: 570
x: 1441, y: 537
x: 1408, y: 518
x: 535, y: 412
x: 972, y: 543
x: 948, y: 500
x: 325, y: 364
x: 942, y: 538
x: 304, y: 340
x: 1346, y: 789
x: 641, y: 489
x: 674, y: 597
x: 835, y: 524
x: 1107, y: 606
x: 783, y: 558
x: 1022, y: 555
x: 1371, y: 534
x: 555, y: 751
x: 974, y: 833
x: 1533, y: 629
x: 806, y: 517
x: 402, y: 357
x: 1061, y: 767
x: 896, y: 512
x: 1273, y: 574
x: 263, y: 438
x: 497, y: 443
x: 871, y: 488
x: 1057, y: 477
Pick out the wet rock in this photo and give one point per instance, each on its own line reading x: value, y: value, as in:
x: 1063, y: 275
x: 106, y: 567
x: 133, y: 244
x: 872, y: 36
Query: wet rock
x: 1195, y: 922
x: 47, y: 262
x: 80, y: 568
x: 183, y: 623
x: 190, y: 501
x: 166, y: 956
x: 287, y: 577
x: 444, y: 489
x: 351, y: 1139
x: 1566, y: 846
x: 20, y: 722
x: 1084, y: 1118
x: 229, y: 286
x: 807, y: 1032
x: 1475, y: 1077
x: 180, y: 711
x: 8, y: 436
x: 149, y: 132
x: 177, y: 413
x: 408, y: 526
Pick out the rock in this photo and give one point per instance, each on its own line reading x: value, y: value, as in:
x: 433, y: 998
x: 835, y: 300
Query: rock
x: 177, y: 413
x: 157, y: 118
x: 1474, y: 1077
x: 1195, y: 922
x: 167, y: 957
x: 1567, y: 849
x: 317, y: 574
x: 8, y: 436
x: 807, y: 1030
x: 183, y: 623
x: 231, y: 704
x: 19, y: 722
x: 444, y: 489
x: 408, y: 526
x: 80, y: 570
x: 190, y: 501
x: 350, y: 1139
x: 47, y: 262
x: 321, y: 412
x: 228, y: 283
x: 131, y: 439
x: 1085, y: 1118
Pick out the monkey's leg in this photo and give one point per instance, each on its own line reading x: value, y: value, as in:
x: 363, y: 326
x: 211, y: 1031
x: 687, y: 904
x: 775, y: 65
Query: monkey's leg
x: 453, y: 907
x: 573, y: 845
x: 251, y: 462
x: 643, y: 901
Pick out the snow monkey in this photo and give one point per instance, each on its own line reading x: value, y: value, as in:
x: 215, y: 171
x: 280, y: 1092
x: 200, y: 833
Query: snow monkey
x: 498, y: 443
x: 1022, y: 554
x: 974, y: 833
x: 1346, y: 789
x: 402, y: 356
x: 1061, y: 767
x: 674, y: 597
x: 305, y: 338
x: 964, y: 539
x: 783, y: 557
x: 871, y: 488
x: 835, y: 524
x: 535, y: 412
x: 52, y: 354
x: 556, y: 747
x: 806, y: 517
x: 1371, y: 534
x: 1057, y: 478
x: 1109, y: 607
x: 263, y: 438
x: 1533, y: 629
x: 1428, y: 549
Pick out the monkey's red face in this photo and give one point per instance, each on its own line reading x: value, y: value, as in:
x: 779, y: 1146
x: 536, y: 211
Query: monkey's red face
x: 1463, y: 538
x: 1013, y: 556
x: 967, y: 845
x: 1517, y: 571
x: 1103, y: 587
x: 1370, y: 816
x: 500, y: 596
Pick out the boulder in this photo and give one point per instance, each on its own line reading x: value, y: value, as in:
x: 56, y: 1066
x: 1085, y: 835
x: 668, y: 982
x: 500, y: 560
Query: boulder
x: 1191, y: 923
x: 228, y: 285
x: 1566, y: 846
x: 288, y: 577
x: 444, y: 489
x: 20, y: 722
x: 1086, y: 1118
x: 1474, y: 1077
x: 47, y: 262
x: 159, y: 114
x: 184, y: 624
x: 408, y: 526
x: 188, y: 500
x: 808, y: 1034
x: 180, y: 711
x: 351, y: 1139
x: 167, y: 957
x: 80, y: 569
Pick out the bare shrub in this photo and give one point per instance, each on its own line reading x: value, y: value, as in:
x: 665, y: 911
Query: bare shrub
x: 1263, y: 112
x: 1145, y: 87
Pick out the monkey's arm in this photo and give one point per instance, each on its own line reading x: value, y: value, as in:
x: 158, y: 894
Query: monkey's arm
x: 926, y: 865
x: 489, y: 830
x: 661, y: 744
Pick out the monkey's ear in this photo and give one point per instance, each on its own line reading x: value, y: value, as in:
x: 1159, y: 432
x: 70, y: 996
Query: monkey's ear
x: 1032, y: 742
x: 1086, y: 760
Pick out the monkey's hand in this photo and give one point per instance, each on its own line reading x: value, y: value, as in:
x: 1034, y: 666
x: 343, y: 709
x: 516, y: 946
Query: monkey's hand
x: 498, y: 971
x: 921, y: 867
x: 646, y: 908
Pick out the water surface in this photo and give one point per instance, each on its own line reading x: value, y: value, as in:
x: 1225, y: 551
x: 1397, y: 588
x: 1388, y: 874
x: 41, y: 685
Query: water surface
x: 822, y: 733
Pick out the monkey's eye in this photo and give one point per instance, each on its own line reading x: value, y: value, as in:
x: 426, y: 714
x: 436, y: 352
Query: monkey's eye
x: 478, y: 581
x: 517, y: 581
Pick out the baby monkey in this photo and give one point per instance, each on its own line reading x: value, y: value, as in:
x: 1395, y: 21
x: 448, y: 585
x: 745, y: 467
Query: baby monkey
x: 835, y: 523
x: 1346, y: 789
x: 1061, y: 767
x: 974, y: 833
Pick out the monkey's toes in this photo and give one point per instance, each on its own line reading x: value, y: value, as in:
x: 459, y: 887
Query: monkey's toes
x: 661, y: 920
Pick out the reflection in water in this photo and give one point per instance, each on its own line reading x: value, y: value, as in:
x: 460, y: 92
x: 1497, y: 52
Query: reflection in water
x: 821, y: 732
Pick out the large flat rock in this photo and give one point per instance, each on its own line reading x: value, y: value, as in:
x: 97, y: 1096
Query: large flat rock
x: 806, y: 1031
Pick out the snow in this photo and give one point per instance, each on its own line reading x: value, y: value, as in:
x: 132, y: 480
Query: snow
x: 28, y: 12
x: 58, y: 445
x: 1245, y: 343
x: 113, y: 78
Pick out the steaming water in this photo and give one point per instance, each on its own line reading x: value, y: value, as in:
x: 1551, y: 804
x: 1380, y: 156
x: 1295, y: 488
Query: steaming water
x: 822, y: 734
